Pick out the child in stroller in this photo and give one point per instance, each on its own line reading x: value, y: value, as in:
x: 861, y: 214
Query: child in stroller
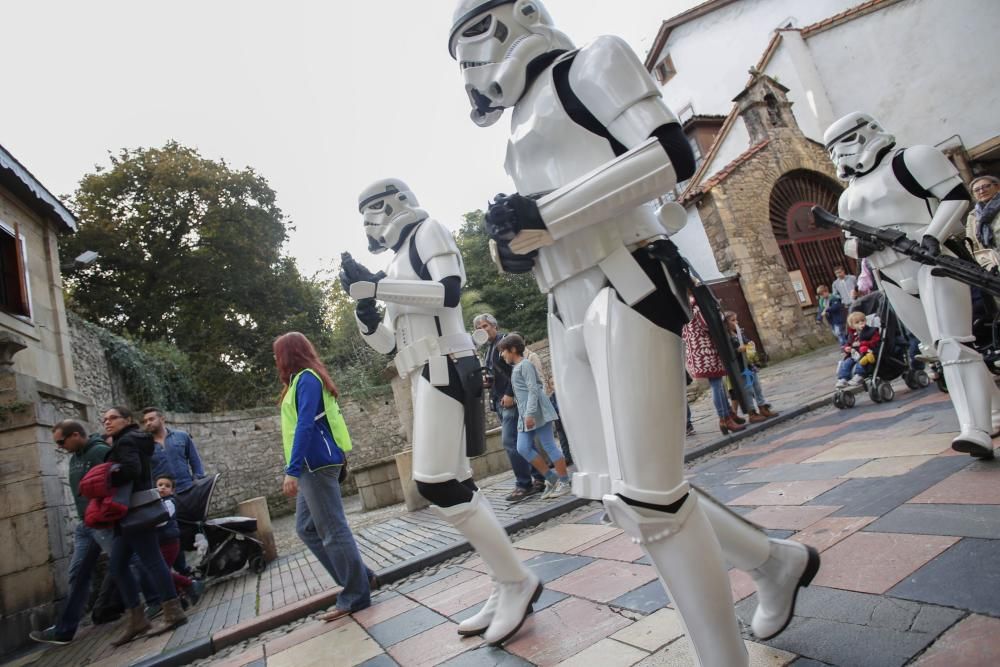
x: 878, y: 352
x: 859, y: 352
x: 225, y: 544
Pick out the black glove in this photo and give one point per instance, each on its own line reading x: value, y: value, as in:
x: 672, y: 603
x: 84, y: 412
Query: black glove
x: 930, y: 245
x: 511, y: 262
x: 866, y: 248
x: 368, y: 313
x: 352, y: 272
x: 509, y: 214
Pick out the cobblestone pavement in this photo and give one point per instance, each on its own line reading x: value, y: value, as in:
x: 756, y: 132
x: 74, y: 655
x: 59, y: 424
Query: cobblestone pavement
x: 294, y: 585
x: 909, y: 533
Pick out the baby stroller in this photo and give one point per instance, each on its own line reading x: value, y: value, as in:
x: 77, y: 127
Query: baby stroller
x: 892, y: 357
x: 224, y: 544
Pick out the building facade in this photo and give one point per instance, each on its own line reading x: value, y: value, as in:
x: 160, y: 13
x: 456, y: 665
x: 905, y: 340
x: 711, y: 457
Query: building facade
x: 37, y: 389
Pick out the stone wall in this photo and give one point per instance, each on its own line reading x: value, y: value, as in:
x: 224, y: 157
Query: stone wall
x: 245, y: 447
x: 94, y: 375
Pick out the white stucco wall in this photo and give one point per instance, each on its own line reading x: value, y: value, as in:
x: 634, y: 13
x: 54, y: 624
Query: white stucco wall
x: 693, y: 244
x: 733, y: 144
x: 713, y: 53
x: 928, y: 69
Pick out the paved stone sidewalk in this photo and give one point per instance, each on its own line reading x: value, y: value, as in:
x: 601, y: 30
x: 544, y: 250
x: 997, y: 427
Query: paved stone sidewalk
x: 909, y: 533
x: 397, y: 542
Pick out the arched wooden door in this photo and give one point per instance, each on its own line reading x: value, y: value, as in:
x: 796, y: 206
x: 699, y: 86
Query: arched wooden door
x: 805, y: 247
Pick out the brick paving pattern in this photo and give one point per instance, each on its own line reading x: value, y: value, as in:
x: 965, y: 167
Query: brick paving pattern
x: 909, y: 533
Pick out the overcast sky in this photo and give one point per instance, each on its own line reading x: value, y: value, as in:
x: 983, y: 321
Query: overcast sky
x: 321, y: 98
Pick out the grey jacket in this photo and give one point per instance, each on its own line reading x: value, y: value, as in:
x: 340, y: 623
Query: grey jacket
x: 530, y: 395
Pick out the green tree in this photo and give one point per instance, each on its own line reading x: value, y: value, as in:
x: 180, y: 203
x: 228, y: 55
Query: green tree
x: 191, y: 255
x: 513, y: 299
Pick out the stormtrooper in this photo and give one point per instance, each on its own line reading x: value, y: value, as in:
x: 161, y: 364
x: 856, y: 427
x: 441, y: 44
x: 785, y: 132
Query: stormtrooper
x: 919, y: 192
x: 423, y: 325
x: 591, y: 146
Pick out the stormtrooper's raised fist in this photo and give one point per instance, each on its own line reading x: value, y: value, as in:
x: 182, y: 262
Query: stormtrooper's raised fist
x: 510, y: 214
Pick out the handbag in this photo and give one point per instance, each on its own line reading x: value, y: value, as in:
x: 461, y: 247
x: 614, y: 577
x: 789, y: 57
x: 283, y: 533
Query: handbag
x: 145, y: 511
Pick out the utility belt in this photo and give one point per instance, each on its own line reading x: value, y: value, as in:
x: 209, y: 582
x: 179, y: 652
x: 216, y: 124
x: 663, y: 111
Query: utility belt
x: 434, y: 350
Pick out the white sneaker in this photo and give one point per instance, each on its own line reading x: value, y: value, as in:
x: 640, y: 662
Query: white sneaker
x: 841, y: 384
x: 550, y: 486
x: 856, y: 381
x: 560, y: 489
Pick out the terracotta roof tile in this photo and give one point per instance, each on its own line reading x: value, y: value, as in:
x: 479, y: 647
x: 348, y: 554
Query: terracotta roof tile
x: 723, y: 173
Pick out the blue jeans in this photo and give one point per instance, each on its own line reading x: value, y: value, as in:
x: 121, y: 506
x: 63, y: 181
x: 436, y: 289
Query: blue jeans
x: 88, y: 543
x: 322, y: 526
x: 758, y: 393
x: 719, y: 397
x: 848, y: 367
x: 840, y: 333
x: 523, y: 470
x: 526, y: 443
x: 146, y: 547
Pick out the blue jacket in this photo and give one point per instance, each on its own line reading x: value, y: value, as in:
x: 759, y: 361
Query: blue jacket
x: 178, y: 457
x: 313, y: 444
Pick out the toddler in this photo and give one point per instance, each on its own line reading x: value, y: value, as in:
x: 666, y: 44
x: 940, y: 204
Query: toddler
x: 169, y: 535
x: 747, y: 358
x: 859, y: 352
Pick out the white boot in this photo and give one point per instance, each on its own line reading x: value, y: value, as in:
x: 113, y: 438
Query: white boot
x: 476, y: 625
x: 517, y: 587
x: 969, y: 387
x: 778, y: 567
x: 790, y: 567
x: 686, y: 555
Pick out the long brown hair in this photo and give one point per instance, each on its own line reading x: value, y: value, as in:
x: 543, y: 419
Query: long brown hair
x: 293, y: 353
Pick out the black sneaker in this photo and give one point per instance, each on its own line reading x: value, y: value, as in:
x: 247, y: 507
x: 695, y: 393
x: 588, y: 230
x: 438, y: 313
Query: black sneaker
x: 49, y: 636
x: 518, y: 494
x: 537, y: 486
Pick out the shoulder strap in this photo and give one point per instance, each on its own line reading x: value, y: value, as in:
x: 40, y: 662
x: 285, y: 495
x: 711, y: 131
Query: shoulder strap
x: 576, y: 110
x: 908, y: 181
x: 416, y: 263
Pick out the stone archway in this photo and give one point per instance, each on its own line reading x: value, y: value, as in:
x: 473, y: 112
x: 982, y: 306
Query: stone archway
x: 805, y: 247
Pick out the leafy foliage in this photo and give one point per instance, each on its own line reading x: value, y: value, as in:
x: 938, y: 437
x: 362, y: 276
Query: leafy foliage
x: 513, y: 299
x: 191, y: 257
x: 155, y: 373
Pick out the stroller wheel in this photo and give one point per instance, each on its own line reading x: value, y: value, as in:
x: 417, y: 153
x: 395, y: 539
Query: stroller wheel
x: 941, y: 384
x: 921, y: 379
x: 874, y: 393
x: 258, y: 564
x: 886, y: 392
x: 838, y: 400
x: 848, y: 400
x: 910, y: 378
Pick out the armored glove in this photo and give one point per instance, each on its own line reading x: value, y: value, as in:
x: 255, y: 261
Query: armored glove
x: 930, y: 245
x: 353, y: 272
x: 369, y: 315
x: 509, y: 261
x: 509, y: 214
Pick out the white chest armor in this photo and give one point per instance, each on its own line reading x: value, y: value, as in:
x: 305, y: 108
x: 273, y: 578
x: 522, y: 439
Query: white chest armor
x: 546, y: 150
x: 413, y: 323
x: 879, y: 200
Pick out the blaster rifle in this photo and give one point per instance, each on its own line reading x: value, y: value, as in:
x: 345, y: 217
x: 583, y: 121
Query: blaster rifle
x: 947, y: 266
x: 684, y: 275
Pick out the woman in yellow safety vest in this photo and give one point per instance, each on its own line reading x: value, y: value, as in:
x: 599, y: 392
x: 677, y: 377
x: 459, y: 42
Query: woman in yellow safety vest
x: 315, y: 439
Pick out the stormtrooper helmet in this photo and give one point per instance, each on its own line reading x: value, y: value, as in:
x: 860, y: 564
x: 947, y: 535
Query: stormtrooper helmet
x: 388, y: 206
x: 494, y: 41
x: 856, y: 144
